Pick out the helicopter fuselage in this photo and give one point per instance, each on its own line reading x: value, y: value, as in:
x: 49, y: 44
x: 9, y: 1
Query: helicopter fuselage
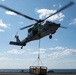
x: 48, y: 28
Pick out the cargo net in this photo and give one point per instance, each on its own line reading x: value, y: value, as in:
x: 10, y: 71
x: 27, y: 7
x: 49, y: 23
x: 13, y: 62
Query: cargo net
x: 39, y: 69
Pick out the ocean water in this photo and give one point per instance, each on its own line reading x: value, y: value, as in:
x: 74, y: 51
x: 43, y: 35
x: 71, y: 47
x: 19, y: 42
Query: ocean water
x: 63, y: 70
x: 14, y: 70
x: 27, y: 70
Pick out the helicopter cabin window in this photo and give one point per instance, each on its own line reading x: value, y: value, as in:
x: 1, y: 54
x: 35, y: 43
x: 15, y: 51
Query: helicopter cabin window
x: 30, y: 32
x: 35, y: 29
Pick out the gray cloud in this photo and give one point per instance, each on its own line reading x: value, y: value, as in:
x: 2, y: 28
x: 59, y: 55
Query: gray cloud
x: 73, y: 22
x: 61, y: 52
x: 2, y: 24
x: 46, y: 12
x: 15, y: 51
x: 10, y: 13
x: 2, y: 0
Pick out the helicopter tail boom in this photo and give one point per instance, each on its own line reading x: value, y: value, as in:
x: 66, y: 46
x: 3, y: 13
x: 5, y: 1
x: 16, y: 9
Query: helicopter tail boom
x: 16, y: 43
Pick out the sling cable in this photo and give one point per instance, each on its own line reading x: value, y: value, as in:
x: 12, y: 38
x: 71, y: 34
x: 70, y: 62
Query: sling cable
x: 38, y: 69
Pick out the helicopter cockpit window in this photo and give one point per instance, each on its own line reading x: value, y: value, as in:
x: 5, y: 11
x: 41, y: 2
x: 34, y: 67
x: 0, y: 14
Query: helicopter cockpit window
x: 29, y: 32
x: 47, y: 24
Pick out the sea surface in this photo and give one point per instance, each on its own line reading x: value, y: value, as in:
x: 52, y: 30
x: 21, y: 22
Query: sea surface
x: 63, y: 70
x: 27, y: 70
x: 14, y: 70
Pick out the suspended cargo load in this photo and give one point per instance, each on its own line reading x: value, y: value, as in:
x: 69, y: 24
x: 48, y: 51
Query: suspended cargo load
x: 39, y: 70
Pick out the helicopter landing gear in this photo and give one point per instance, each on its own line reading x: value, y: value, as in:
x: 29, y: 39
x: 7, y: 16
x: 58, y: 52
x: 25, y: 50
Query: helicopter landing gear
x: 21, y: 47
x: 50, y: 36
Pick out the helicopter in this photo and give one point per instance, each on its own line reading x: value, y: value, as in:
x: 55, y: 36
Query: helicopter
x: 38, y: 30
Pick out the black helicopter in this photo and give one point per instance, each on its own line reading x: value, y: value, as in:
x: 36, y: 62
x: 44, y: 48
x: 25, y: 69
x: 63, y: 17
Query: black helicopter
x: 38, y: 30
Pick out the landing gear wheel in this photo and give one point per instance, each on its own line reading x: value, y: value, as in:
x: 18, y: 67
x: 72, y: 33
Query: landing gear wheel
x: 50, y: 36
x: 22, y: 47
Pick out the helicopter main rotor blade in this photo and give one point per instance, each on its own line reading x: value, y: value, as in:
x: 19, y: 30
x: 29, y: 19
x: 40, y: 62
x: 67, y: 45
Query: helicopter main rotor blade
x: 26, y: 27
x: 63, y: 27
x: 18, y: 12
x: 66, y: 6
